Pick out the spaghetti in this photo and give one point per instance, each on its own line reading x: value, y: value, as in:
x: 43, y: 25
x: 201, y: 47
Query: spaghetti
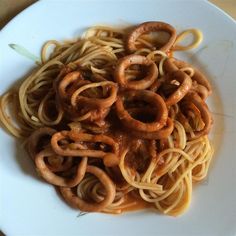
x: 114, y: 121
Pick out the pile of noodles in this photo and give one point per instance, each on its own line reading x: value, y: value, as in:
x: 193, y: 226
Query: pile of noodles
x: 114, y: 121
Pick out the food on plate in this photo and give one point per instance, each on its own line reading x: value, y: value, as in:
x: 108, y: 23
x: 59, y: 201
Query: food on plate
x: 114, y: 121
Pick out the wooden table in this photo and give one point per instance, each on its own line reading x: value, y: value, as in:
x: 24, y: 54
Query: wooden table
x: 9, y: 8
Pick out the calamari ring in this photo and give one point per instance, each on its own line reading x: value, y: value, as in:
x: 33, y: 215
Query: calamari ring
x: 88, y: 114
x: 63, y: 72
x: 35, y: 138
x: 169, y: 66
x: 97, y: 116
x: 151, y: 26
x: 76, y: 202
x: 58, y: 163
x: 95, y: 102
x: 185, y: 85
x: 173, y: 64
x: 64, y: 99
x: 205, y: 113
x: 201, y: 91
x: 160, y: 134
x: 198, y: 76
x: 152, y: 98
x: 125, y: 62
x: 72, y: 79
x: 54, y: 179
x: 39, y: 135
x: 109, y: 158
x: 156, y: 85
x: 65, y: 165
x: 95, y: 129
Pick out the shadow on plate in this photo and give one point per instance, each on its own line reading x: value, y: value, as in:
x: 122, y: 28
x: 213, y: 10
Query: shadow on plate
x: 24, y: 161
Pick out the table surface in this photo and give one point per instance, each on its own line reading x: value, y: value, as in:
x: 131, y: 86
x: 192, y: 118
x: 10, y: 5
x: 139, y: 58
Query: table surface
x: 10, y: 8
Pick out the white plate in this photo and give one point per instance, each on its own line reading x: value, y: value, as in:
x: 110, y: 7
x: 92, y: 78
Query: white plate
x: 29, y: 206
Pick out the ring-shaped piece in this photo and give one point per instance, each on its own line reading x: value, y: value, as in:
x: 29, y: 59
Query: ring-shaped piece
x: 173, y: 64
x: 110, y: 158
x: 70, y: 80
x: 58, y: 163
x: 194, y: 98
x: 163, y: 133
x: 157, y: 103
x: 76, y: 202
x: 184, y: 87
x: 133, y: 59
x: 112, y: 88
x: 198, y: 76
x: 201, y: 90
x: 54, y: 179
x: 36, y: 137
x: 147, y: 27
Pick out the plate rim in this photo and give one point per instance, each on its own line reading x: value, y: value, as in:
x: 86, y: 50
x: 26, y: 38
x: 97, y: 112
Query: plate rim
x: 38, y: 3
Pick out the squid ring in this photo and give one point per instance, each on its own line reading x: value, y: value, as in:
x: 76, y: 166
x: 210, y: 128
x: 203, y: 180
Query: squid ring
x: 172, y: 64
x: 205, y: 114
x: 160, y: 134
x: 85, y: 206
x: 69, y: 86
x: 201, y: 91
x: 58, y: 163
x: 110, y: 158
x: 169, y: 66
x: 153, y: 99
x: 54, y: 179
x: 198, y: 76
x: 95, y: 102
x: 36, y: 137
x: 69, y: 79
x: 151, y: 26
x: 183, y: 89
x: 125, y: 62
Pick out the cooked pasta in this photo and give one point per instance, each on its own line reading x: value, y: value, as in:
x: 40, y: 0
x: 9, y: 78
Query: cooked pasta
x: 114, y: 121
